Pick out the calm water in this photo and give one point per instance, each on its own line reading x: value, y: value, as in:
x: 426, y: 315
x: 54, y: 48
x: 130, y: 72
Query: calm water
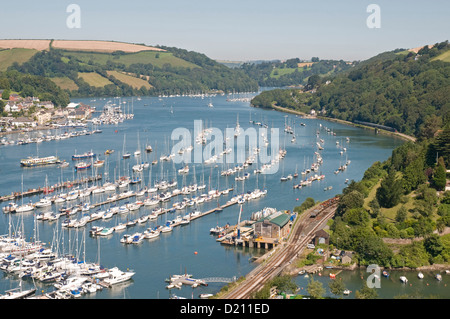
x: 391, y: 287
x: 173, y: 253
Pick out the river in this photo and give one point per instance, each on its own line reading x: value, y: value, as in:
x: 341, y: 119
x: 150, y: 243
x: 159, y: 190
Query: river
x: 188, y: 248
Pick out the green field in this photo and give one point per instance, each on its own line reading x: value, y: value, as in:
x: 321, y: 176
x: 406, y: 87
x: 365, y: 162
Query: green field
x: 94, y: 79
x: 65, y: 83
x: 277, y: 72
x: 130, y: 80
x: 158, y: 59
x: 8, y: 57
x: 444, y: 57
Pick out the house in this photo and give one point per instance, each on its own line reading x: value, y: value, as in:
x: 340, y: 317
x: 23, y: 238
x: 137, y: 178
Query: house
x: 14, y: 97
x: 47, y: 104
x: 276, y: 225
x: 43, y: 117
x: 11, y: 107
x: 346, y: 257
x: 23, y: 122
x: 321, y: 237
x: 72, y: 105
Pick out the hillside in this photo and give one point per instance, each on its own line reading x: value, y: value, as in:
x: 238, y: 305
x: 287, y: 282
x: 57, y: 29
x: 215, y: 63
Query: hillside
x: 407, y: 92
x: 292, y: 72
x: 105, y: 68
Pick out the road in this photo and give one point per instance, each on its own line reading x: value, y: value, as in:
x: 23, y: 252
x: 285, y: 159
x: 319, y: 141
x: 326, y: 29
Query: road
x: 301, y: 234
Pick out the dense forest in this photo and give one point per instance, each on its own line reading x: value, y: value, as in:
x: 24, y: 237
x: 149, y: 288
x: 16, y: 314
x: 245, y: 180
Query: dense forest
x: 206, y: 75
x: 32, y: 85
x: 405, y: 91
x: 404, y: 197
x: 400, y: 198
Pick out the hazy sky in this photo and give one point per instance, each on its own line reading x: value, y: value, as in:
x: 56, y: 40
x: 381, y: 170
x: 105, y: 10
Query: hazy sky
x: 238, y: 30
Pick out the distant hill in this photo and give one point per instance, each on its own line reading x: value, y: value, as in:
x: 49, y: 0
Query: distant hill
x: 292, y: 72
x: 108, y: 68
x: 404, y: 91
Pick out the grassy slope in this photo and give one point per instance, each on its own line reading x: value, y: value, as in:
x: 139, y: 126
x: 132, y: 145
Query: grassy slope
x: 130, y: 80
x: 94, y: 79
x: 444, y: 57
x: 285, y: 71
x: 8, y: 57
x: 65, y: 83
x: 144, y: 57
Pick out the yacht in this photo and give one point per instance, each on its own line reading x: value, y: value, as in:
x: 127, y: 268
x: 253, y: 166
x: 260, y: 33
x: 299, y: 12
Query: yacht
x: 150, y: 233
x: 25, y: 208
x: 106, y: 231
x: 137, y: 238
x: 11, y: 207
x: 18, y: 293
x: 118, y: 276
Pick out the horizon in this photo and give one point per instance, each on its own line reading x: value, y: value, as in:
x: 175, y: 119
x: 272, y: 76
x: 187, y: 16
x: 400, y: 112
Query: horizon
x: 240, y: 32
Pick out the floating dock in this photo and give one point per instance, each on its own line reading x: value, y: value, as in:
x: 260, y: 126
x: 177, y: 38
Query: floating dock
x: 50, y: 189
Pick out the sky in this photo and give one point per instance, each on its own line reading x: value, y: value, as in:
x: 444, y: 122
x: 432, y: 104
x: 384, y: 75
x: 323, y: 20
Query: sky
x: 239, y: 30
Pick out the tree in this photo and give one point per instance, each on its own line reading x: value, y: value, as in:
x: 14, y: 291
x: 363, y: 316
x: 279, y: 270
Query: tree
x: 439, y: 178
x: 308, y: 203
x: 356, y: 217
x: 337, y: 287
x: 284, y: 283
x: 433, y: 245
x: 313, y: 81
x: 315, y: 289
x: 353, y: 199
x: 390, y: 191
x: 366, y: 293
x: 401, y: 215
x: 5, y: 94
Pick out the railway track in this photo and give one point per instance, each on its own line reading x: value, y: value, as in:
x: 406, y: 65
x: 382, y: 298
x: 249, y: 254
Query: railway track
x: 301, y: 235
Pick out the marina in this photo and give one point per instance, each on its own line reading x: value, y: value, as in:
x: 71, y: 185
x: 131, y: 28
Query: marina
x: 168, y: 208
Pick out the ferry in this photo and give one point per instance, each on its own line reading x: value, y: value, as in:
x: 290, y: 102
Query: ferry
x: 82, y: 156
x: 39, y: 161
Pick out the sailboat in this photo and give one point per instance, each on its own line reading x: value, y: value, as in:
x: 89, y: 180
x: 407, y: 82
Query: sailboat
x: 124, y: 153
x: 18, y: 293
x: 138, y: 151
x: 24, y: 208
x: 237, y: 129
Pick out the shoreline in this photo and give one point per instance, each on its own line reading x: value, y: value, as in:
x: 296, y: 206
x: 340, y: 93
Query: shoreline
x: 397, y: 134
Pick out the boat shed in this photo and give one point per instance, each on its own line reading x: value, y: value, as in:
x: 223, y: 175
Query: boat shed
x: 272, y: 226
x: 321, y: 237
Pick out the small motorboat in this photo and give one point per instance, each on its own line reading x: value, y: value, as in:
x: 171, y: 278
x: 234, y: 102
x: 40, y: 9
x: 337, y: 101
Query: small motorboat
x: 99, y: 163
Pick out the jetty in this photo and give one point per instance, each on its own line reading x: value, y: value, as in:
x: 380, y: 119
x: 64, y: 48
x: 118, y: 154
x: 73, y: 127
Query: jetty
x: 50, y: 189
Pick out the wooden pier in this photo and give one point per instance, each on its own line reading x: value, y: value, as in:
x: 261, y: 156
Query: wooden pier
x: 50, y: 189
x: 163, y: 211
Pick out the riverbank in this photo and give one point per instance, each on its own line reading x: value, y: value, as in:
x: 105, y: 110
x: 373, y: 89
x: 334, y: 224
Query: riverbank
x: 381, y: 131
